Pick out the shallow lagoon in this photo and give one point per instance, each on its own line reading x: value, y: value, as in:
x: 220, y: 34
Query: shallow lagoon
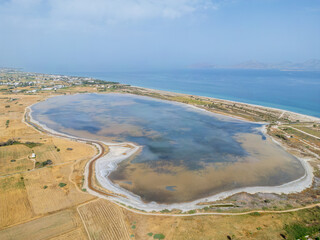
x: 187, y: 153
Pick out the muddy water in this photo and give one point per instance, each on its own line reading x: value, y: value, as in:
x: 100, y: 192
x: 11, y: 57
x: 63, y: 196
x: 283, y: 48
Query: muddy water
x: 187, y: 153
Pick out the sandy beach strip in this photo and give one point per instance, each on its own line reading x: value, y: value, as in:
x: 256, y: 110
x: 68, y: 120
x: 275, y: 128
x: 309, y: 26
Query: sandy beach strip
x: 301, y: 116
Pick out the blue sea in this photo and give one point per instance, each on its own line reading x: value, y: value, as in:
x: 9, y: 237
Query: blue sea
x: 297, y: 91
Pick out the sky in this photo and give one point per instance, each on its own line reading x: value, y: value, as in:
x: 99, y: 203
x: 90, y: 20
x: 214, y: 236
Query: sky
x: 116, y: 35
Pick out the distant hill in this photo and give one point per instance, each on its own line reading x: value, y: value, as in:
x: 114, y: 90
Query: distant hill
x: 311, y: 65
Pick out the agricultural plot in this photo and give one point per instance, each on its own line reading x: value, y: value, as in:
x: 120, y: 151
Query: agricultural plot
x: 49, y: 189
x: 14, y: 203
x: 77, y: 234
x: 61, y: 150
x: 207, y: 227
x: 14, y: 158
x: 70, y: 150
x: 104, y: 220
x: 45, y: 227
x: 14, y: 114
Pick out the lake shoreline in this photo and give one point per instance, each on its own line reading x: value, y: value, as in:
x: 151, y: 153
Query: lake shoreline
x: 108, y: 163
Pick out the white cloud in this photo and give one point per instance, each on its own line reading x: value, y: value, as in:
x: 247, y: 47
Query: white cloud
x: 117, y: 10
x: 99, y: 12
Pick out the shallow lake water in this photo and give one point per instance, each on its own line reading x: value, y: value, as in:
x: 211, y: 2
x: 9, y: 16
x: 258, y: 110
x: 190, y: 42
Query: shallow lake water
x: 187, y: 153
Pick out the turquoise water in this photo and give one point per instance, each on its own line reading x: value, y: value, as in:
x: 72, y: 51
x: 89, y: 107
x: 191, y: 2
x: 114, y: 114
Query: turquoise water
x: 180, y: 144
x: 297, y: 91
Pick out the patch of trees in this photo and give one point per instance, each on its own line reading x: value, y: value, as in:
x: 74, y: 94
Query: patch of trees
x: 96, y: 81
x: 13, y: 142
x: 32, y: 144
x: 43, y: 164
x: 300, y: 230
x: 9, y: 142
x: 281, y: 136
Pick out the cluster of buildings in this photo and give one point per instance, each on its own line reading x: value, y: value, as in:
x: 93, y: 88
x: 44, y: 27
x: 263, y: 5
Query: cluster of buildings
x: 17, y: 81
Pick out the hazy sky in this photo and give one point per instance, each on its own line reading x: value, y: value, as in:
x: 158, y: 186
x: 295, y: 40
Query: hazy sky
x: 103, y: 35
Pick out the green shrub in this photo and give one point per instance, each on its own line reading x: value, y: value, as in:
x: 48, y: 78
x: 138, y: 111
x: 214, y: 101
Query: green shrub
x: 62, y: 184
x: 158, y: 236
x: 191, y: 211
x: 281, y: 136
x: 43, y: 164
x: 299, y: 230
x: 206, y: 208
x: 32, y: 144
x: 255, y: 214
x: 164, y: 211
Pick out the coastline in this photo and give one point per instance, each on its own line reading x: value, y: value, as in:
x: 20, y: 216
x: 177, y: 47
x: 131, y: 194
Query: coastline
x: 108, y: 163
x: 304, y: 116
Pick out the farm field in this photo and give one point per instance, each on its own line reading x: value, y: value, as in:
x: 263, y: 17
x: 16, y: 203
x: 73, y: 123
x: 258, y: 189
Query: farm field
x: 15, y: 159
x: 14, y: 202
x: 46, y: 195
x: 64, y: 222
x: 251, y: 226
x: 104, y: 220
x: 30, y: 189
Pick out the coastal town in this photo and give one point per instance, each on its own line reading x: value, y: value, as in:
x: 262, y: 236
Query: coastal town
x: 16, y: 81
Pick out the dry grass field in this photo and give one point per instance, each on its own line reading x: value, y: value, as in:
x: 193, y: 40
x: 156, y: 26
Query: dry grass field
x: 15, y: 159
x: 29, y: 193
x: 104, y: 220
x: 46, y: 195
x: 14, y: 202
x: 78, y: 234
x: 252, y: 226
x: 62, y: 223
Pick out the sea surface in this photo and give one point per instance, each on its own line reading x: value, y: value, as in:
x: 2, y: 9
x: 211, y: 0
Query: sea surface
x: 297, y: 91
x: 187, y: 153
